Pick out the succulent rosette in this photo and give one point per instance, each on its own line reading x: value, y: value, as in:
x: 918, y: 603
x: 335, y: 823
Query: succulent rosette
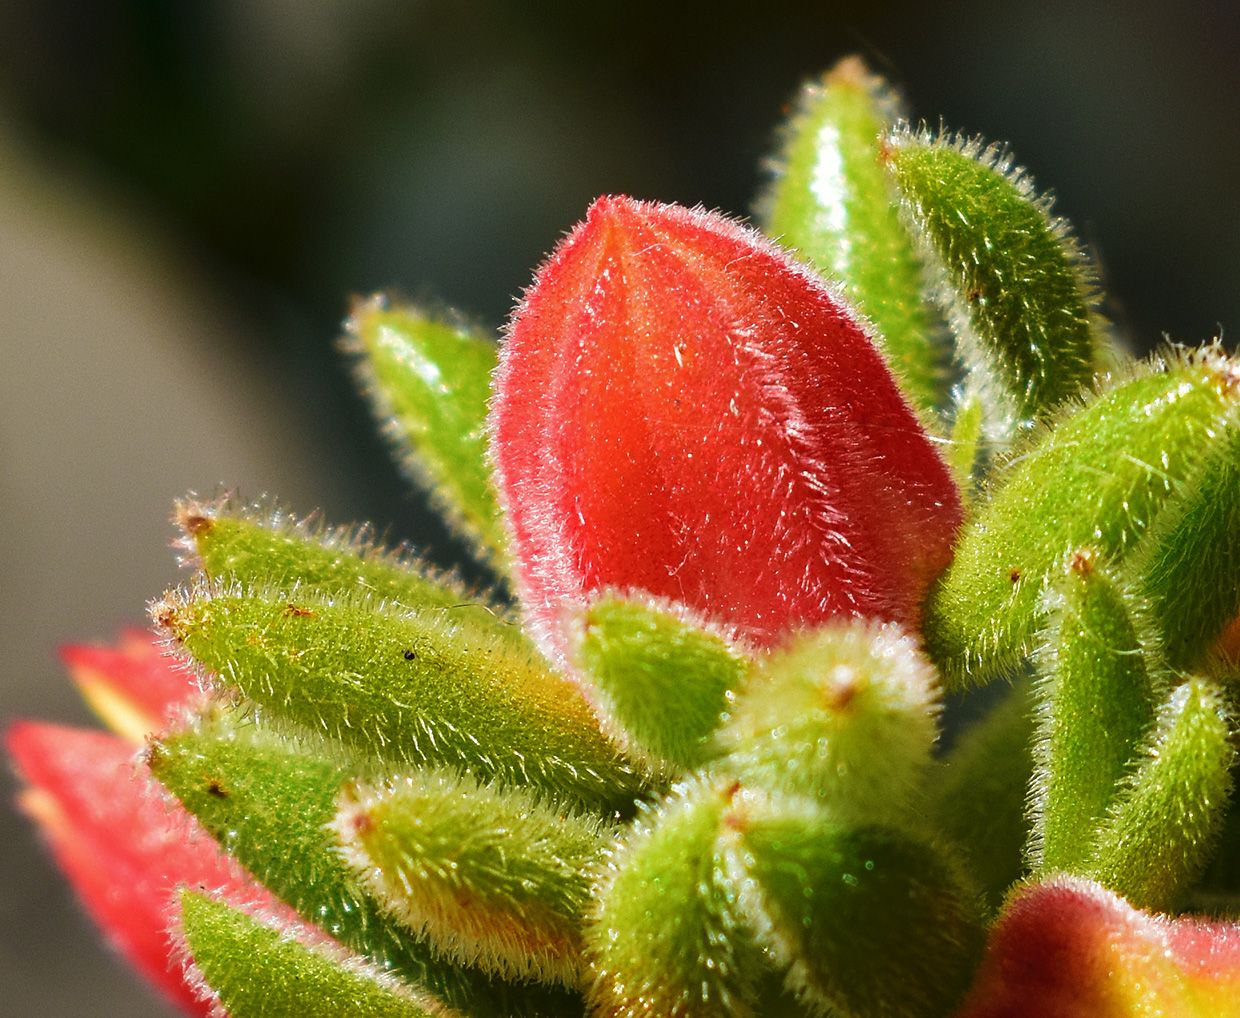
x: 758, y: 504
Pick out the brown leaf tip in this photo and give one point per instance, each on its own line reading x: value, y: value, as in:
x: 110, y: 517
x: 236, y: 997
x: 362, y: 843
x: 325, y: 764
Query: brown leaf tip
x: 1082, y: 561
x: 194, y: 518
x: 166, y: 616
x: 850, y: 71
x: 153, y: 753
x: 734, y: 819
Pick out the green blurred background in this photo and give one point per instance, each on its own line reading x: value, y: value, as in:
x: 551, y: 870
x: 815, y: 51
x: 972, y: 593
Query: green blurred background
x: 190, y: 193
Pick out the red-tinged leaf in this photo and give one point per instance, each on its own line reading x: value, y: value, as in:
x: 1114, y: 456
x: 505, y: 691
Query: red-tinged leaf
x: 682, y: 409
x: 1228, y: 646
x: 1068, y: 948
x: 125, y: 846
x: 132, y: 686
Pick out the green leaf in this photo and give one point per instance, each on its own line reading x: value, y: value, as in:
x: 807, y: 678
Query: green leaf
x: 429, y: 380
x: 1217, y: 892
x: 269, y: 800
x: 494, y: 878
x: 846, y: 714
x: 258, y: 971
x: 965, y: 443
x: 667, y: 938
x: 404, y: 687
x: 1189, y: 566
x: 1096, y: 705
x: 1020, y: 292
x: 832, y: 202
x: 1161, y: 828
x: 265, y: 546
x: 977, y: 793
x: 1099, y: 478
x: 661, y: 679
x: 867, y: 919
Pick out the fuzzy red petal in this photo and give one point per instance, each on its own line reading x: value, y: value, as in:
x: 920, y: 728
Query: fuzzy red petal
x: 681, y: 408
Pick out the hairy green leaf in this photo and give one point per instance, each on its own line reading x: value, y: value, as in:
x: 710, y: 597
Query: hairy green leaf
x: 846, y: 714
x: 1217, y: 892
x: 977, y: 793
x: 1189, y: 566
x: 1162, y: 826
x: 868, y: 920
x: 661, y: 678
x: 1019, y: 290
x: 269, y: 801
x: 405, y: 687
x: 429, y: 380
x: 1100, y: 477
x: 1096, y: 703
x: 258, y: 971
x: 265, y: 546
x: 494, y: 878
x: 832, y: 202
x: 965, y: 446
x: 667, y: 937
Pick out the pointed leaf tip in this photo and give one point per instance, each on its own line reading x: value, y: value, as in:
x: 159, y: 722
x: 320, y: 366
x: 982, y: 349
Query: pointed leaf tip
x: 846, y: 715
x: 1102, y: 477
x: 429, y: 380
x: 265, y: 545
x: 434, y: 682
x: 493, y: 877
x: 660, y: 678
x: 832, y: 202
x: 1021, y: 292
x: 256, y: 968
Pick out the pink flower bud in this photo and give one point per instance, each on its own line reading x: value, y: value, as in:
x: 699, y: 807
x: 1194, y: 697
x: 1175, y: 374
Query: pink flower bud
x: 1069, y: 948
x: 683, y: 409
x: 124, y: 845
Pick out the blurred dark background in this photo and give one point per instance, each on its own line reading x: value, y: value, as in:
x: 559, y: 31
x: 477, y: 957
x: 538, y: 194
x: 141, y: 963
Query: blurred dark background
x: 190, y: 193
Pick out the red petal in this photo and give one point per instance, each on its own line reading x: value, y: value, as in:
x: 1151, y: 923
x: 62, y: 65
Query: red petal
x: 124, y: 846
x: 682, y: 409
x: 133, y: 686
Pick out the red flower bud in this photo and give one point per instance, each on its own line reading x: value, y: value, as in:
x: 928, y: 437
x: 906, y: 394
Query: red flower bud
x: 683, y: 409
x: 124, y: 845
x: 1072, y: 949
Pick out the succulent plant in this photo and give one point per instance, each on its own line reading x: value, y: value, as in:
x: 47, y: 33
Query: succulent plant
x: 765, y: 512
